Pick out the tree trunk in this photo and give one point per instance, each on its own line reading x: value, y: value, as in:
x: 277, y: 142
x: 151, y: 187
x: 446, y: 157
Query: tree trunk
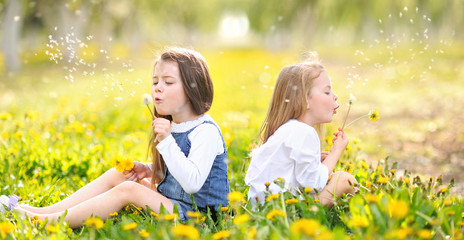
x: 11, y: 27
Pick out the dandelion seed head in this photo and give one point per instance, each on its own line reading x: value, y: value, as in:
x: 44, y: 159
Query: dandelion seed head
x: 147, y: 99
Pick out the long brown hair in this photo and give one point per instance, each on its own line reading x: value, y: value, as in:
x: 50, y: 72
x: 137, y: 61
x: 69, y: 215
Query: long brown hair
x: 198, y: 86
x: 289, y: 99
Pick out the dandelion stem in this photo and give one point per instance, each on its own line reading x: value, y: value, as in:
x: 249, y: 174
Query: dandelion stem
x: 355, y: 120
x: 346, y: 116
x: 285, y: 210
x: 151, y: 111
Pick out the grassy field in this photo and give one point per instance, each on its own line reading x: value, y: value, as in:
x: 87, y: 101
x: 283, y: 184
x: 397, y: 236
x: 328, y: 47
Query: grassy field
x: 60, y: 128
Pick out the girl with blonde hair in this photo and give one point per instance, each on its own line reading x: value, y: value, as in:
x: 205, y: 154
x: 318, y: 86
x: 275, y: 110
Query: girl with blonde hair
x: 289, y: 145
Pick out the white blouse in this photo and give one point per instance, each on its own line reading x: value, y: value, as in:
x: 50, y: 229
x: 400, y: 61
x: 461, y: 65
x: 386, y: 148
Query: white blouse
x: 293, y: 153
x: 206, y: 143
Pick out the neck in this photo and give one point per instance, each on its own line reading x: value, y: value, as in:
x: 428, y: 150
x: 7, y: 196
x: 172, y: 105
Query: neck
x: 305, y: 119
x: 185, y: 117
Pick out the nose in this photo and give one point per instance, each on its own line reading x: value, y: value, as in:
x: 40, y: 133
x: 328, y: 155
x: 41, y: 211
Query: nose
x: 158, y: 87
x: 335, y: 97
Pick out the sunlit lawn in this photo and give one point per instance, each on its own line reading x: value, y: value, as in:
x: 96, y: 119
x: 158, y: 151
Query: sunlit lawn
x: 58, y: 135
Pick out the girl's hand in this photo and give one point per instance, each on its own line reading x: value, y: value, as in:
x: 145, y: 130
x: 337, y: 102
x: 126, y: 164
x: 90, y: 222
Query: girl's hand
x: 324, y: 155
x: 340, y: 141
x: 162, y: 128
x: 138, y: 172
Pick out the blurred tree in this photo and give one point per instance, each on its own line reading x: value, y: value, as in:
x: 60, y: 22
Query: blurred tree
x: 26, y: 24
x: 11, y: 28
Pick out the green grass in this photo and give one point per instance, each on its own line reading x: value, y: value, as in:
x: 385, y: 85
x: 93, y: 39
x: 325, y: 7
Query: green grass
x: 56, y: 136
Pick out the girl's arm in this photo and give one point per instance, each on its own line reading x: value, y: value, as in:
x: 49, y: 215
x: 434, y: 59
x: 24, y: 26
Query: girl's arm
x: 339, y: 145
x: 191, y: 171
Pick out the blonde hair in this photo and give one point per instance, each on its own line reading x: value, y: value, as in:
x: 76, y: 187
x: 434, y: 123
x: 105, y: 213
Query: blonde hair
x: 289, y: 99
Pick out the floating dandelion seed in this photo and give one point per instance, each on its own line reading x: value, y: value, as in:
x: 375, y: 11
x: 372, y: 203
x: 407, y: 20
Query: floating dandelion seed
x: 147, y: 100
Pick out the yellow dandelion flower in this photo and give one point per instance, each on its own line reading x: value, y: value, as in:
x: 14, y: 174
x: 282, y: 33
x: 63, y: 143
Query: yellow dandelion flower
x: 406, y: 180
x: 325, y: 235
x: 267, y: 184
x: 129, y: 226
x: 144, y: 234
x: 460, y: 223
x: 399, y: 233
x: 36, y: 220
x: 95, y: 222
x: 424, y: 233
x: 221, y: 235
x: 398, y: 209
x: 5, y: 116
x: 241, y: 219
x: 126, y: 165
x: 18, y: 135
x: 275, y: 212
x: 308, y: 227
x: 447, y: 203
x: 187, y: 231
x: 364, y: 165
x: 383, y: 180
x: 368, y: 184
x: 252, y: 233
x: 308, y: 190
x: 235, y: 197
x: 6, y: 228
x: 403, y: 233
x: 374, y: 115
x: 12, y: 151
x: 291, y: 201
x: 372, y: 198
x: 122, y: 163
x: 32, y: 115
x: 359, y: 221
x: 154, y: 214
x: 450, y: 213
x: 272, y: 197
x: 51, y: 228
x: 224, y: 209
x: 434, y: 222
x: 193, y: 214
x: 114, y: 214
x: 4, y: 135
x: 170, y: 217
x: 317, y: 200
x: 443, y: 190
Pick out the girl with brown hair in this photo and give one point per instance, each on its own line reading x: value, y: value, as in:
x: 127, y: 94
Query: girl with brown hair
x: 187, y: 147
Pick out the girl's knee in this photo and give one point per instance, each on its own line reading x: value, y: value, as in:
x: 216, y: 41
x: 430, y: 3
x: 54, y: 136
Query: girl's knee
x: 125, y: 190
x: 345, y: 177
x: 346, y: 181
